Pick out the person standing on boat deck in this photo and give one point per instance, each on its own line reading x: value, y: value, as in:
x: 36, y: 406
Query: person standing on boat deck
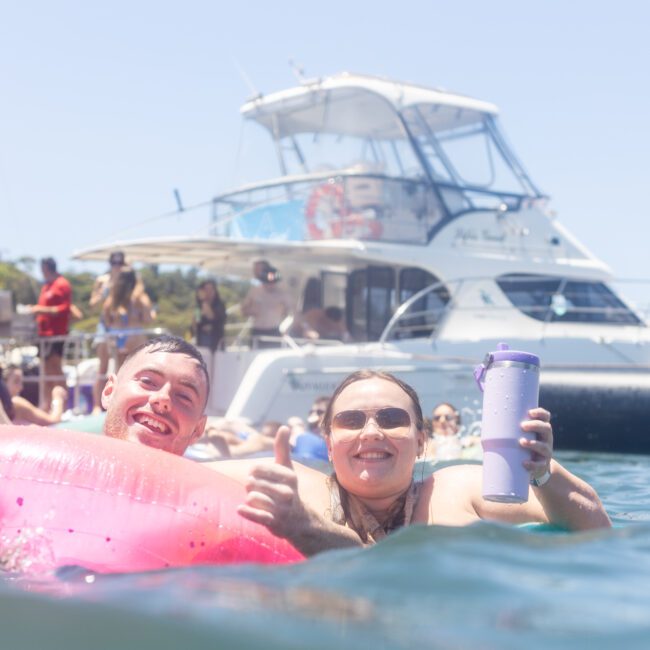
x: 267, y: 304
x: 52, y: 318
x: 100, y: 291
x: 127, y: 307
x: 374, y: 431
x: 209, y: 322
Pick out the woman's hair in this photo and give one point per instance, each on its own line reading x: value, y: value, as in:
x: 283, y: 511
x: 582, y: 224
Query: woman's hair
x: 5, y: 396
x: 203, y: 285
x: 360, y: 375
x: 122, y: 289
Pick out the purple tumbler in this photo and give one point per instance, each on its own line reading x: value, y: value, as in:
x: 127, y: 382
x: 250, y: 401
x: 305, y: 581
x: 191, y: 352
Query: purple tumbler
x: 510, y: 383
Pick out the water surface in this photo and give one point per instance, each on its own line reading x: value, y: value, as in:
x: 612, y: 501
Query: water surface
x: 485, y: 586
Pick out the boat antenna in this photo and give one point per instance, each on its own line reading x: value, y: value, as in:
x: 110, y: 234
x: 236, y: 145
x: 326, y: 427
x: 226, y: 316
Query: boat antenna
x: 298, y: 70
x: 179, y: 203
x: 242, y: 73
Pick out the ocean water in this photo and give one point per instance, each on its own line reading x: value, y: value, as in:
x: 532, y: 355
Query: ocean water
x: 486, y: 586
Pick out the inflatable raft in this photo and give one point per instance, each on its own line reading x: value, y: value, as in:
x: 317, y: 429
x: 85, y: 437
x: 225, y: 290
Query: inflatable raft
x: 73, y: 498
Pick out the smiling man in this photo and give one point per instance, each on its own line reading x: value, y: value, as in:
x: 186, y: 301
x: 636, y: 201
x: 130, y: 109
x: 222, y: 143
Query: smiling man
x: 158, y: 396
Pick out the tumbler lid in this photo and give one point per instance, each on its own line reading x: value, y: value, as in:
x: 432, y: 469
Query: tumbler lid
x: 504, y: 353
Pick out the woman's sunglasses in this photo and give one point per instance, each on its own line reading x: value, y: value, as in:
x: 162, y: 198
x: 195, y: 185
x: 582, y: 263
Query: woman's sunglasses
x: 446, y: 417
x: 394, y: 422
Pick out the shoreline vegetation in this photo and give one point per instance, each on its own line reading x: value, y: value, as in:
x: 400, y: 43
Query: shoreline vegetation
x: 172, y: 293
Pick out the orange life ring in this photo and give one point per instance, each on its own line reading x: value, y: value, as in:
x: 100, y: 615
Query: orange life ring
x: 324, y: 209
x: 328, y: 216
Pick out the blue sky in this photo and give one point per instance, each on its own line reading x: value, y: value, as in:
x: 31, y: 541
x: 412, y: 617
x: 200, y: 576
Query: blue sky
x: 107, y: 107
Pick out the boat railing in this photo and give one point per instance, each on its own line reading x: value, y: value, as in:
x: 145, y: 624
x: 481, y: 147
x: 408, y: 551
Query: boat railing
x: 414, y: 319
x: 238, y: 336
x: 26, y: 351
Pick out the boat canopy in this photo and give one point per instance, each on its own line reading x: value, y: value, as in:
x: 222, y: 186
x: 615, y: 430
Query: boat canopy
x: 360, y: 105
x: 359, y: 124
x: 362, y: 159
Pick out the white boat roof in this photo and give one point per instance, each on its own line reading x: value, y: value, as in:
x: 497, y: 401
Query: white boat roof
x: 224, y: 255
x: 370, y: 105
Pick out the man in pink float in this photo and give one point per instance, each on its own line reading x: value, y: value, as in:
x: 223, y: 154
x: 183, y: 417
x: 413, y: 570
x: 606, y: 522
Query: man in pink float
x: 159, y: 396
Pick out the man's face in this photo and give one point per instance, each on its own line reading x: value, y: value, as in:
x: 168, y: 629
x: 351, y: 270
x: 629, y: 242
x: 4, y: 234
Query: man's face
x: 315, y: 416
x: 156, y: 399
x: 46, y: 273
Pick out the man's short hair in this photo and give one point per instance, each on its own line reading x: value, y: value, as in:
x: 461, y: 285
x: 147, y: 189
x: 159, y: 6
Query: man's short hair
x: 174, y: 345
x: 116, y: 258
x: 49, y: 263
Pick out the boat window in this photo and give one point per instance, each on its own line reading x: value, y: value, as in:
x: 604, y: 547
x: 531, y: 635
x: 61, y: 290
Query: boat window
x: 334, y: 287
x: 371, y: 293
x: 423, y: 314
x: 556, y: 300
x: 311, y: 297
x: 464, y: 150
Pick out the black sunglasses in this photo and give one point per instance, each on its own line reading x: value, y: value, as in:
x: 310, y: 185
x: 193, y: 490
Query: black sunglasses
x: 447, y: 417
x: 393, y: 421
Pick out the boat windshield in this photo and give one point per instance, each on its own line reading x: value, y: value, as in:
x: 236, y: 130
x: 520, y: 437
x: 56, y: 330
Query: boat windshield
x: 353, y: 166
x: 467, y: 157
x: 339, y: 129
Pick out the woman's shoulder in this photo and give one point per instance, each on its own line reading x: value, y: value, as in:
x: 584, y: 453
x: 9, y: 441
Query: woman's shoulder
x: 447, y: 496
x: 458, y: 471
x: 24, y: 410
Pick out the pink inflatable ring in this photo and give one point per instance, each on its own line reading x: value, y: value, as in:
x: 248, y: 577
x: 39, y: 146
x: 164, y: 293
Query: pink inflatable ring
x: 73, y: 498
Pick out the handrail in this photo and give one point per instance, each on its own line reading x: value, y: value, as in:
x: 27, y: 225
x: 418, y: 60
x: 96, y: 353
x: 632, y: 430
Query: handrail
x: 78, y: 341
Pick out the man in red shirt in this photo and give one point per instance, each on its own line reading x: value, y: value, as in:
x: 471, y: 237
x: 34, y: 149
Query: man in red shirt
x: 52, y: 318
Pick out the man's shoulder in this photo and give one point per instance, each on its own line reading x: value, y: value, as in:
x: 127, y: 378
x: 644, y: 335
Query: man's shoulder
x: 62, y: 283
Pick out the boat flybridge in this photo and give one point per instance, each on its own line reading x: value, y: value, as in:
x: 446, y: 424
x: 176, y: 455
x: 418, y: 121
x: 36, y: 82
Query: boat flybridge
x: 405, y: 208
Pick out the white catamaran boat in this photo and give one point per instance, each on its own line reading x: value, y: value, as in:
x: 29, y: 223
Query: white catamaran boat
x: 405, y: 207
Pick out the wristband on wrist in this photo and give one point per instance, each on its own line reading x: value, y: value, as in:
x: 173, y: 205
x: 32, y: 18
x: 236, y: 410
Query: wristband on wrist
x: 541, y: 480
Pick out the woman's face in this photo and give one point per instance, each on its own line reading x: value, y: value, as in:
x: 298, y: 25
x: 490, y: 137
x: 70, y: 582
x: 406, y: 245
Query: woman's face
x: 444, y: 421
x: 372, y: 462
x: 15, y: 382
x: 206, y: 292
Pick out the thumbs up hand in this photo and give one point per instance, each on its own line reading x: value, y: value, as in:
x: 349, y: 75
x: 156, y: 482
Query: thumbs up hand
x: 272, y: 492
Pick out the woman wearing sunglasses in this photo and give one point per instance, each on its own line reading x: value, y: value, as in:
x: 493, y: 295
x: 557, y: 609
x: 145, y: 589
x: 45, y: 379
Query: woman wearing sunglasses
x: 374, y: 431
